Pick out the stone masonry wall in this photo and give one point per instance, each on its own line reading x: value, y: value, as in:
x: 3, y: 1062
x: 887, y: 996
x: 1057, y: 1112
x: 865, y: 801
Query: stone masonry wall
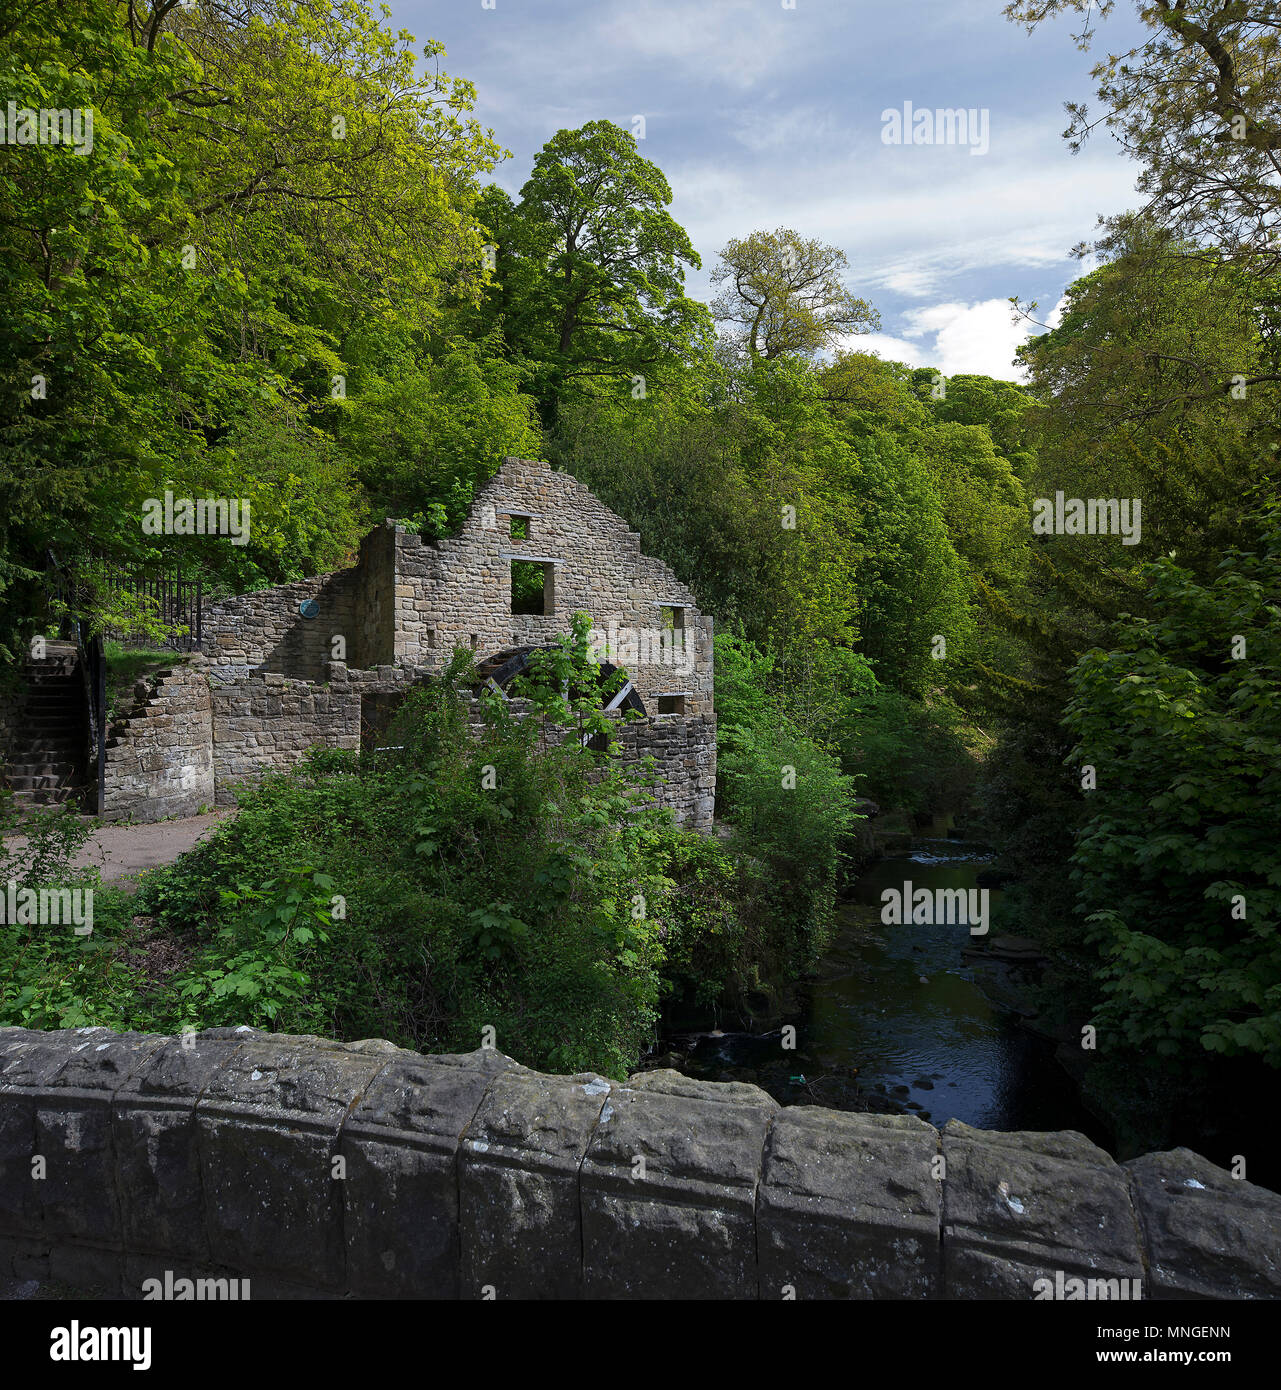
x: 413, y: 601
x: 684, y: 751
x: 319, y: 1169
x: 266, y: 723
x: 160, y: 756
x: 264, y: 631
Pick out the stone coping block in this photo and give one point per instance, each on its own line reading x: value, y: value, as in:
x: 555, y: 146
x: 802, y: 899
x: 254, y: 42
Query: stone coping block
x: 29, y: 1060
x: 401, y: 1146
x: 669, y: 1190
x: 518, y: 1186
x: 1020, y: 1206
x: 157, y: 1153
x: 80, y: 1193
x: 1197, y: 1223
x: 267, y: 1132
x: 850, y: 1207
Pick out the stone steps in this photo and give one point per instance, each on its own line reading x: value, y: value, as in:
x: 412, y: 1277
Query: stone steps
x: 45, y: 765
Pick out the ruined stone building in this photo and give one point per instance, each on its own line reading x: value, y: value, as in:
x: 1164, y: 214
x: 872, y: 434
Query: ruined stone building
x: 323, y: 661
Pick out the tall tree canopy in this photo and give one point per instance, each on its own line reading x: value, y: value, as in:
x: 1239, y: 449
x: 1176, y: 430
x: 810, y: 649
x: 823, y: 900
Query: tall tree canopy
x: 1198, y: 104
x: 591, y: 268
x: 276, y: 200
x: 784, y: 294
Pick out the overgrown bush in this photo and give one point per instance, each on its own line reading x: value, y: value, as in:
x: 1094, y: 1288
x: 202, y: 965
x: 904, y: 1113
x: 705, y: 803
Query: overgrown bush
x: 791, y: 809
x: 51, y: 976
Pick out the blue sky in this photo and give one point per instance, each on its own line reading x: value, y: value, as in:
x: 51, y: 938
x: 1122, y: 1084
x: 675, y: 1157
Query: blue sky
x: 762, y: 117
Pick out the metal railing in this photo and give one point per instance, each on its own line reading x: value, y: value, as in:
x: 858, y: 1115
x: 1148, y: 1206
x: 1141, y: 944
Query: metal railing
x: 173, y: 600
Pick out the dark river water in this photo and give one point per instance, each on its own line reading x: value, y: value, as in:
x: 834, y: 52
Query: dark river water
x: 896, y: 1022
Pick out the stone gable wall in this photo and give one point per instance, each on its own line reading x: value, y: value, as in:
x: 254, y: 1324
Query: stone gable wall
x: 471, y: 1176
x: 457, y: 591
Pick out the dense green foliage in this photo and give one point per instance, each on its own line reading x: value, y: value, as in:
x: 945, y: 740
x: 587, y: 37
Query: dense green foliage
x: 1182, y: 720
x: 508, y: 880
x: 1134, y: 777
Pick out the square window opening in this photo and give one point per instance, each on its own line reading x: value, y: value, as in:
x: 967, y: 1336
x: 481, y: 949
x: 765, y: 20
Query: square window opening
x: 520, y: 527
x: 671, y: 704
x: 533, y: 587
x: 672, y: 616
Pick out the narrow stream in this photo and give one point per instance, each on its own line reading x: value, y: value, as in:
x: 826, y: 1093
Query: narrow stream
x: 896, y: 1023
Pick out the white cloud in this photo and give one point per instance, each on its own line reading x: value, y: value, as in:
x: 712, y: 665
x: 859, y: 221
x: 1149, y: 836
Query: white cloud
x: 971, y: 337
x: 908, y: 230
x: 916, y: 282
x: 888, y: 347
x: 953, y: 338
x: 1056, y: 314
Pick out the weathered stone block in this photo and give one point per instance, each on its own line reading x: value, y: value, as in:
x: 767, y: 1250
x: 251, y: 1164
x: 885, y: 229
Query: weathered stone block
x: 850, y: 1207
x: 157, y: 1156
x: 79, y: 1194
x: 669, y: 1190
x: 519, y: 1216
x: 267, y: 1128
x: 1020, y: 1207
x: 401, y: 1190
x: 28, y: 1062
x: 1207, y: 1235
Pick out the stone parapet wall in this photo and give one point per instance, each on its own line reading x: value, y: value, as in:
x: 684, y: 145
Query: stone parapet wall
x: 159, y: 757
x: 319, y: 1169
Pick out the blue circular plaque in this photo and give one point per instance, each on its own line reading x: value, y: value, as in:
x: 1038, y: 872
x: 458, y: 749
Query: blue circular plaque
x: 309, y: 608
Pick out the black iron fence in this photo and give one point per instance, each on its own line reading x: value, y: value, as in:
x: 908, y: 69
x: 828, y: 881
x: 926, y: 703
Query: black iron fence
x: 166, y: 598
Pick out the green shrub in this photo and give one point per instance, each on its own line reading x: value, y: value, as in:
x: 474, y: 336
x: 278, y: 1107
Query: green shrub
x: 791, y: 809
x: 50, y: 975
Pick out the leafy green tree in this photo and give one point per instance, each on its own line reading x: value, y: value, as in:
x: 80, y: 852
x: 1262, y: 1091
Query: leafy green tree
x: 1196, y: 104
x: 867, y: 394
x: 266, y: 188
x: 912, y: 585
x: 1176, y: 864
x: 983, y: 502
x: 424, y: 436
x: 784, y: 294
x: 1006, y: 410
x: 591, y: 269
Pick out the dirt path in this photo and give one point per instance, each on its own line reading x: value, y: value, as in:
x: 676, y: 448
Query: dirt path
x: 120, y: 851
